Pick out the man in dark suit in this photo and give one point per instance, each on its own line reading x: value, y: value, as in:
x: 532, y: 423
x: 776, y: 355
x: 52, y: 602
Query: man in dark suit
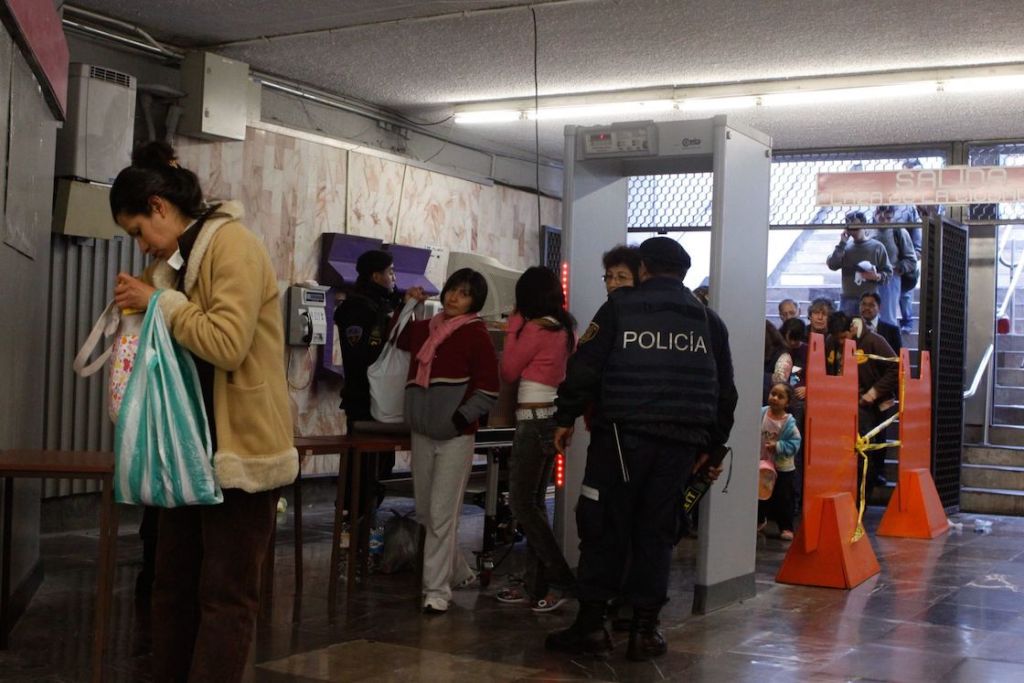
x: 870, y: 305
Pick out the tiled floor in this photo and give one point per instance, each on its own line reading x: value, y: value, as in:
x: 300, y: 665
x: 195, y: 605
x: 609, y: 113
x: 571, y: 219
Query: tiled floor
x: 948, y: 609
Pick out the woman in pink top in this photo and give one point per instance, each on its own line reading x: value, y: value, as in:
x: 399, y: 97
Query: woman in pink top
x: 537, y: 345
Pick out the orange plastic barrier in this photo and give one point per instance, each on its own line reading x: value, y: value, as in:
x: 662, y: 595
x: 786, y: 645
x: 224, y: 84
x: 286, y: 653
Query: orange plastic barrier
x: 915, y: 510
x: 824, y: 552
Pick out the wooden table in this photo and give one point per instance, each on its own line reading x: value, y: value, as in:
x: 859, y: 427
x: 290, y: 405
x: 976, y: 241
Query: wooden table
x: 46, y: 464
x: 354, y: 446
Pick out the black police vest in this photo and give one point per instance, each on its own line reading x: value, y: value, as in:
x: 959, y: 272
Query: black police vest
x: 662, y: 367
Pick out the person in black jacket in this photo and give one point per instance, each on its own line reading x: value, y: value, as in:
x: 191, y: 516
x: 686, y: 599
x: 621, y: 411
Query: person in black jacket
x: 363, y: 320
x: 656, y: 364
x: 870, y: 308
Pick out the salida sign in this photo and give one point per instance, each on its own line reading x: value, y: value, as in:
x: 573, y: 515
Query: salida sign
x: 952, y: 185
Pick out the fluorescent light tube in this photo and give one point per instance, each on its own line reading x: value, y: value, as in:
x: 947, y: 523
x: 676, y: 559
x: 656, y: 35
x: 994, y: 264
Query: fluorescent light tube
x: 983, y: 84
x: 600, y: 109
x: 866, y: 94
x: 718, y: 103
x: 587, y: 107
x: 488, y: 116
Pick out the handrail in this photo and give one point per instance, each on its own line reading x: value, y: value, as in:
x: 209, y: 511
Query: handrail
x: 1017, y: 269
x: 977, y: 376
x: 1007, y: 297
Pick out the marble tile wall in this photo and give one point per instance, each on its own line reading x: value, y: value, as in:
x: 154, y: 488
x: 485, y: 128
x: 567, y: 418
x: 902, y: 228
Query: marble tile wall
x: 294, y: 189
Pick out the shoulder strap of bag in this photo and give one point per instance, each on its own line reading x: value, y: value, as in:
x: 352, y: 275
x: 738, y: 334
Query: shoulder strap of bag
x: 403, y: 319
x: 106, y: 326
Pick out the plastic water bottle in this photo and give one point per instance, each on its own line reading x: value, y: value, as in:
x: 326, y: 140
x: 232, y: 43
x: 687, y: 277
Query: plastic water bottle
x: 376, y: 545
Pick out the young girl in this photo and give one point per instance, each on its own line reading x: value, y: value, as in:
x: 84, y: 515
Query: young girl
x: 453, y: 381
x: 537, y: 345
x: 780, y: 440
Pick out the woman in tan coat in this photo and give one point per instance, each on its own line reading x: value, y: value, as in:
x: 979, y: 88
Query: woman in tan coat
x: 221, y: 303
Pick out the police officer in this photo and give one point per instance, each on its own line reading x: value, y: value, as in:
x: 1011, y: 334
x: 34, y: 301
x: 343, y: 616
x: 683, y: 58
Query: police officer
x: 363, y: 320
x: 657, y: 365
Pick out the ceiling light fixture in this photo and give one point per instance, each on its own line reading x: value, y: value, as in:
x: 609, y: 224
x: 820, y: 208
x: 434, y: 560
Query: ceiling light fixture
x: 868, y: 94
x: 985, y: 84
x: 601, y: 109
x: 719, y: 98
x: 718, y: 103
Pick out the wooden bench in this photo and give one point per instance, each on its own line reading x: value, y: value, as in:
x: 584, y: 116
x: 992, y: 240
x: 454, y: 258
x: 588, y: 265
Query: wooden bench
x: 354, y: 445
x: 48, y: 464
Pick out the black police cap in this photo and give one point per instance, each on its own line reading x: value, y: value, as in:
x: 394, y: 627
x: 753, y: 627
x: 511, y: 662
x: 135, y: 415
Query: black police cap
x: 667, y: 251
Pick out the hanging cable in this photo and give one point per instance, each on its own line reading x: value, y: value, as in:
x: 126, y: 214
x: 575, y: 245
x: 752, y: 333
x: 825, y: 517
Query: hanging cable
x: 536, y: 118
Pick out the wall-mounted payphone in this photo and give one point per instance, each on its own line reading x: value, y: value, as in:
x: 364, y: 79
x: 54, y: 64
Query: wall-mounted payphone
x: 306, y: 315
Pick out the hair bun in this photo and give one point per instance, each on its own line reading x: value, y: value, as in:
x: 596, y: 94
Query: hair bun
x: 155, y: 154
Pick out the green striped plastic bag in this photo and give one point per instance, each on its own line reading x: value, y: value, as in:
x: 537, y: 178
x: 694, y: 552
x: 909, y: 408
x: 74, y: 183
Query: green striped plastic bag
x: 162, y: 439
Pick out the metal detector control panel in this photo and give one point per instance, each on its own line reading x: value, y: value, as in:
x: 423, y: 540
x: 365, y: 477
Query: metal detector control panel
x: 631, y: 140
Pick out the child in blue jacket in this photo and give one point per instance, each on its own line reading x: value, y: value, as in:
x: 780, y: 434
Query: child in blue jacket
x: 780, y: 441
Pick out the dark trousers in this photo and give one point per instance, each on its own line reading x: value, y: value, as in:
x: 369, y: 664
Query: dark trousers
x: 533, y: 456
x: 635, y: 519
x: 207, y: 587
x: 779, y: 508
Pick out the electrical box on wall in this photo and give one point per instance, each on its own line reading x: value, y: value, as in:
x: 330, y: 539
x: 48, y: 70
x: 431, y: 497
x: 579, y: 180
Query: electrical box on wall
x: 217, y: 93
x: 96, y: 140
x: 83, y: 210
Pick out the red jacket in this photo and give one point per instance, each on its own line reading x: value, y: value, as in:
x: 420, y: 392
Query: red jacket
x: 463, y: 380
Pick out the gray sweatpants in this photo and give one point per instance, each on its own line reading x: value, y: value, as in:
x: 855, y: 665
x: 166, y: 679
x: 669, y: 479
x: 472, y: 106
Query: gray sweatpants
x: 440, y: 471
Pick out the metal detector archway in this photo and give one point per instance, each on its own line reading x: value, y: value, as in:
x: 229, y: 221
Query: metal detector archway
x: 598, y: 162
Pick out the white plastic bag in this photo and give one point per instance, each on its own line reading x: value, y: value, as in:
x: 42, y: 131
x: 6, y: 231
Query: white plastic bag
x: 388, y: 374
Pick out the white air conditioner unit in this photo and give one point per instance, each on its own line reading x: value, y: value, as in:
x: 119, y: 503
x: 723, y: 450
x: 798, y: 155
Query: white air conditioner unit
x: 96, y: 140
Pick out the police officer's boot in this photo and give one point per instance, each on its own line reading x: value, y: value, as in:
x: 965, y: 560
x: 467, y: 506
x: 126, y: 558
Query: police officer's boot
x: 587, y: 635
x: 645, y: 640
x: 619, y: 615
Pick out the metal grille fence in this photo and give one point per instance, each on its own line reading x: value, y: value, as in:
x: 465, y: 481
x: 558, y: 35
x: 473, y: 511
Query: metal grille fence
x: 794, y: 182
x: 943, y: 323
x: 667, y: 202
x: 680, y: 202
x: 551, y: 247
x: 1003, y: 154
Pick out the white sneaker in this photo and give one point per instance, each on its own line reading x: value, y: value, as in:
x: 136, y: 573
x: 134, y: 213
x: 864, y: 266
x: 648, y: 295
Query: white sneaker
x: 432, y: 605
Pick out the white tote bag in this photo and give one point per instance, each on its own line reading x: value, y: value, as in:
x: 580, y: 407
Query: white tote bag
x: 388, y: 374
x: 122, y: 327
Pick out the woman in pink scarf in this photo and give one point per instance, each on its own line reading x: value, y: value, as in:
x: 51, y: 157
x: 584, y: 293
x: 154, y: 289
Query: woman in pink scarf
x: 453, y: 382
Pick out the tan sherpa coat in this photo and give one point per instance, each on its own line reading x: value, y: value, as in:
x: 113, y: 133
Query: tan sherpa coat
x: 232, y: 318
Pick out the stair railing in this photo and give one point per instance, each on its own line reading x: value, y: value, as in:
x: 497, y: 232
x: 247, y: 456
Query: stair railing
x: 986, y: 359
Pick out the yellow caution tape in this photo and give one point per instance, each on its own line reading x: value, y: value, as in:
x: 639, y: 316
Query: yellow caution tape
x: 903, y: 392
x: 862, y: 357
x: 858, y: 532
x: 863, y: 445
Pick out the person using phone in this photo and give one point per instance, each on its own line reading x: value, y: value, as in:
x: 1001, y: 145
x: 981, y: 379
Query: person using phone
x: 863, y: 261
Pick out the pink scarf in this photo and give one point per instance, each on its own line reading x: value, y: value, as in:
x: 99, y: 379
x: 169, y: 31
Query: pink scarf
x: 440, y: 329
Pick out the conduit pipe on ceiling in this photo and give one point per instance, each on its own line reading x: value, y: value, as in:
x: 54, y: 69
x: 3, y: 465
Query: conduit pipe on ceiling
x: 159, y: 47
x: 151, y: 46
x: 404, y: 21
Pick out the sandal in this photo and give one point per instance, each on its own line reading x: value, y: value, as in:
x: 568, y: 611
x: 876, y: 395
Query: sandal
x: 511, y: 595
